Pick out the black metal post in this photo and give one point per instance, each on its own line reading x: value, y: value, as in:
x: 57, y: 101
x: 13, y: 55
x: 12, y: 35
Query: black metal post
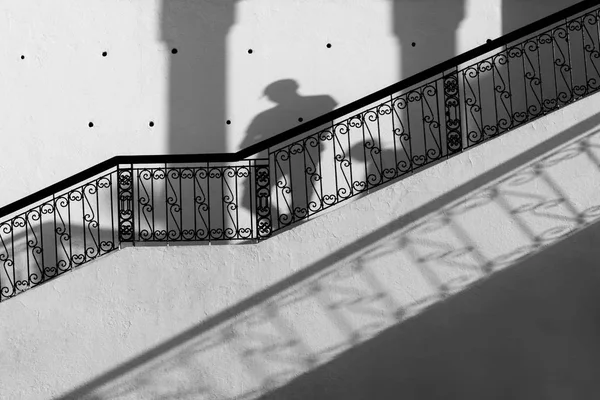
x: 125, y: 204
x: 454, y: 142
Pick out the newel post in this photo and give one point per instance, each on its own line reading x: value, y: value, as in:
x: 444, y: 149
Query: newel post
x: 263, y: 200
x: 125, y: 203
x: 454, y: 142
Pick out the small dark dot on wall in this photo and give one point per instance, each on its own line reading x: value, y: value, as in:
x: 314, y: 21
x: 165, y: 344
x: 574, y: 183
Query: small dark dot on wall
x: 488, y: 41
x: 104, y: 54
x: 328, y: 45
x: 22, y: 57
x: 151, y: 123
x: 300, y: 120
x: 250, y: 51
x: 91, y: 124
x: 174, y: 51
x: 413, y: 44
x: 228, y: 122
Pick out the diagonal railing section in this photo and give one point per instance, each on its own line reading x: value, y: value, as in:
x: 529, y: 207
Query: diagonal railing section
x: 384, y: 136
x: 531, y: 78
x: 454, y: 110
x: 60, y: 233
x: 388, y: 140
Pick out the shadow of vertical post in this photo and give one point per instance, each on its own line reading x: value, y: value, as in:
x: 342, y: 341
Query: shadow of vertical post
x: 518, y: 13
x: 197, y: 73
x: 195, y: 33
x: 426, y: 30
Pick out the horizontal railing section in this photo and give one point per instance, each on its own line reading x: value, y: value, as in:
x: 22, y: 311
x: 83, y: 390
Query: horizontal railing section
x: 201, y: 202
x: 230, y: 197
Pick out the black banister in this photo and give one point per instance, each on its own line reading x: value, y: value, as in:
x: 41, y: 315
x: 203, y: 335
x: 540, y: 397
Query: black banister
x: 59, y: 186
x: 236, y: 197
x: 307, y: 126
x: 415, y: 79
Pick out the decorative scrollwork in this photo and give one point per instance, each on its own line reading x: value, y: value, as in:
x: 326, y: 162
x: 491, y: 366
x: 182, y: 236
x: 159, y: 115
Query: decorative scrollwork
x: 252, y: 199
x: 263, y: 202
x: 125, y: 204
x: 452, y: 113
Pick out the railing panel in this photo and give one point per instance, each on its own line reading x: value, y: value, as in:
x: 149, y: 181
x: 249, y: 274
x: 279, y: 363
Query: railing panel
x: 203, y: 202
x: 57, y: 235
x: 391, y: 138
x: 531, y: 78
x: 452, y: 100
x: 421, y: 125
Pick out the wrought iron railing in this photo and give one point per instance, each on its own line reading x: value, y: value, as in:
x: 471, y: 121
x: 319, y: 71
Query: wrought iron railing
x: 387, y: 135
x: 194, y: 202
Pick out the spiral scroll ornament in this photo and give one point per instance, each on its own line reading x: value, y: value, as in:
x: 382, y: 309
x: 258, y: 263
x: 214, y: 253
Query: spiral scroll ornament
x: 263, y: 202
x: 125, y: 204
x: 452, y: 113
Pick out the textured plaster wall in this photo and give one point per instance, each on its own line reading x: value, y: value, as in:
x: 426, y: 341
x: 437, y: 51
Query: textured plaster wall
x: 214, y: 321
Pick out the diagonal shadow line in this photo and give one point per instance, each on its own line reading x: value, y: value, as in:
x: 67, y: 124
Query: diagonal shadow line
x: 318, y: 266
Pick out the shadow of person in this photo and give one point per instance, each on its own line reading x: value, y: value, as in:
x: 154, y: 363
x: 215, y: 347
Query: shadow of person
x: 290, y: 109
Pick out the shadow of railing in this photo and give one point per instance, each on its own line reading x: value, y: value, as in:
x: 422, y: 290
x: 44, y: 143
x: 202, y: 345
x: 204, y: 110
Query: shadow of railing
x: 528, y: 332
x: 350, y: 293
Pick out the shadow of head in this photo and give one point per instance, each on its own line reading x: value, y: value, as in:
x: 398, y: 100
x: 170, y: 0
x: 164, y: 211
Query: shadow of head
x: 290, y: 109
x: 282, y: 91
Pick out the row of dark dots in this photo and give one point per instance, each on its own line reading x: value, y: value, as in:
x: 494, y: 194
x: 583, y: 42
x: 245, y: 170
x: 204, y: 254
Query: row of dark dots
x: 175, y: 51
x: 413, y: 44
x: 228, y: 122
x: 151, y: 124
x: 250, y: 51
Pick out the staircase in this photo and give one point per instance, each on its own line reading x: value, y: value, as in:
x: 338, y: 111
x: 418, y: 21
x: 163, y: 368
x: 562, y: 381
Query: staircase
x: 242, y: 321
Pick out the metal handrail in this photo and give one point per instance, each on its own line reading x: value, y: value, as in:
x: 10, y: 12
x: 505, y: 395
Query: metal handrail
x: 307, y: 126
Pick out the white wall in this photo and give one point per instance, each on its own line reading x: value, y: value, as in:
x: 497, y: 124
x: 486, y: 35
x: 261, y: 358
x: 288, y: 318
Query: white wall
x: 237, y: 321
